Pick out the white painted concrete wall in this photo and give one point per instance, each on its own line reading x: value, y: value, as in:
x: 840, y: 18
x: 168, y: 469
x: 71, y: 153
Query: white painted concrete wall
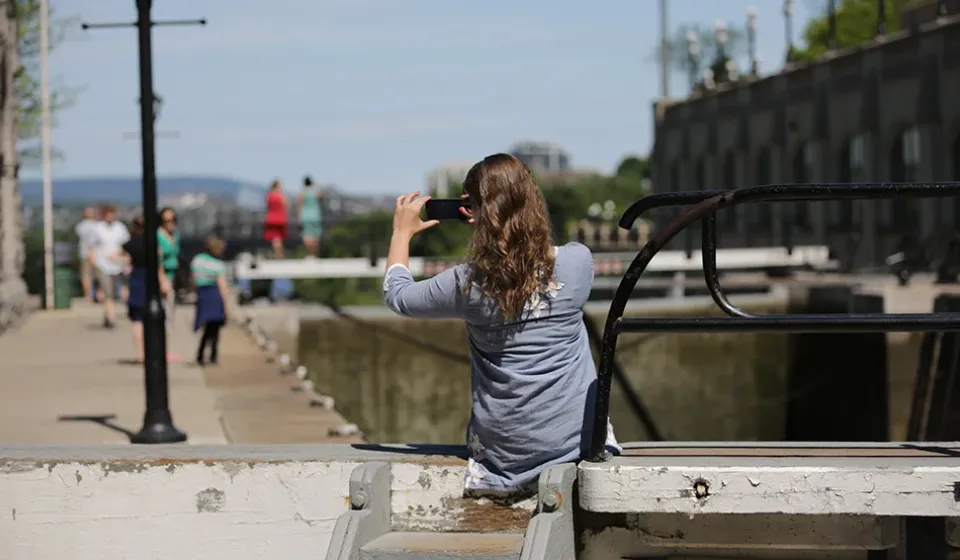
x: 236, y: 502
x: 253, y: 502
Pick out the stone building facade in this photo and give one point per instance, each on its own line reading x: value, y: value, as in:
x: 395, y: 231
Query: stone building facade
x: 886, y: 111
x: 13, y: 291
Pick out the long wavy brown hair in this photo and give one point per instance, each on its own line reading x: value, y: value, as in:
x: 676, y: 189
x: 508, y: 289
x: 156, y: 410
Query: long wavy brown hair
x: 512, y: 248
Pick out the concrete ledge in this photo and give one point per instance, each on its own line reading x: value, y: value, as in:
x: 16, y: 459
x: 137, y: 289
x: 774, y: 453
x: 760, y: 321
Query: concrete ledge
x: 898, y: 479
x: 180, y: 454
x: 234, y: 502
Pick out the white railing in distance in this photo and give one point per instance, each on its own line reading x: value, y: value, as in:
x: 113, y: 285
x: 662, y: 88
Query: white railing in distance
x: 757, y: 258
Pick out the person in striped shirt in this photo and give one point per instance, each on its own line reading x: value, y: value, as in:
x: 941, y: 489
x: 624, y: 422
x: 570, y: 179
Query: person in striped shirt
x: 210, y: 279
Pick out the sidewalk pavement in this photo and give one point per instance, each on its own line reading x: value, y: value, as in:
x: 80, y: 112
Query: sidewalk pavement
x: 62, y: 363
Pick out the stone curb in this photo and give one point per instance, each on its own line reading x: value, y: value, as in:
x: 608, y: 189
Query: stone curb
x: 288, y: 365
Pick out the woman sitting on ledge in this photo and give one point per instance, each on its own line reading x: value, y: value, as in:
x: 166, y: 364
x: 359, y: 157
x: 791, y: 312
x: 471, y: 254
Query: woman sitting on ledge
x: 532, y: 373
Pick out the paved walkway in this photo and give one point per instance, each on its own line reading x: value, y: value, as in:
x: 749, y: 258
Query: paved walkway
x: 64, y: 379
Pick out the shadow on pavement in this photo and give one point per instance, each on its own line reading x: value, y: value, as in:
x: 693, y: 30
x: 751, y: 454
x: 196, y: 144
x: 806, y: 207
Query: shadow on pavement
x: 459, y: 451
x: 105, y: 420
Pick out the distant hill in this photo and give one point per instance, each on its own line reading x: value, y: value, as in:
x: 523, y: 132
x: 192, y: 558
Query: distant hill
x: 127, y: 190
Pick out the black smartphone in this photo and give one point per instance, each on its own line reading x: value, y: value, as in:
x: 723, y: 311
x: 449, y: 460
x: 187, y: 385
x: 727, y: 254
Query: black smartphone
x: 446, y: 209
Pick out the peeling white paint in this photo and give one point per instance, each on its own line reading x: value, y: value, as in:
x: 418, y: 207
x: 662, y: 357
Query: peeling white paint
x: 424, y: 497
x: 252, y: 502
x: 269, y: 503
x: 785, y: 486
x: 95, y: 511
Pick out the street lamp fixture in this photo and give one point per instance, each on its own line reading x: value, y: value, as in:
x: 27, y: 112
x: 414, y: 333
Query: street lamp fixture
x: 788, y: 23
x: 693, y: 57
x: 752, y: 40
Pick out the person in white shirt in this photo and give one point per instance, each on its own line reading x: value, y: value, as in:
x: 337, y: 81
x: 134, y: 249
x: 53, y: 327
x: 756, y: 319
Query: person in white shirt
x: 106, y: 253
x: 86, y: 236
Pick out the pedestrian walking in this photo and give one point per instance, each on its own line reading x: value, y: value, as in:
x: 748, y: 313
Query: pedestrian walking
x: 133, y: 254
x: 310, y: 216
x: 210, y: 278
x: 275, y: 220
x: 86, y: 231
x: 108, y: 239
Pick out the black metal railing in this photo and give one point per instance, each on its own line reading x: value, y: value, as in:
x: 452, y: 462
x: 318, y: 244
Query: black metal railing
x: 705, y: 204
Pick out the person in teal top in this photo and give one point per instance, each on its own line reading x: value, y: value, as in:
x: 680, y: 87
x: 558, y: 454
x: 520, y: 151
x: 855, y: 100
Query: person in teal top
x: 210, y: 278
x: 168, y: 242
x: 310, y: 216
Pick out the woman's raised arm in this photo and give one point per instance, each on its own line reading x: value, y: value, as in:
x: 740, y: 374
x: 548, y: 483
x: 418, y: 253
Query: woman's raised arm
x: 436, y: 297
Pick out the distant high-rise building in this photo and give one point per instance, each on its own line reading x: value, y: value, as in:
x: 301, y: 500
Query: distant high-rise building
x: 442, y: 179
x: 542, y: 157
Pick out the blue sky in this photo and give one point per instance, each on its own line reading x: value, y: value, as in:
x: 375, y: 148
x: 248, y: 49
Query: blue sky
x: 371, y: 94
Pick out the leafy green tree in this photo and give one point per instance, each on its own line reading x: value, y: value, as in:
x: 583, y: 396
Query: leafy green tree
x: 27, y: 78
x: 856, y: 22
x: 634, y: 167
x: 569, y: 201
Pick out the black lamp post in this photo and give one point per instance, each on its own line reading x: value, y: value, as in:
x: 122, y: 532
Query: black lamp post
x: 788, y: 24
x: 693, y: 58
x: 832, y: 23
x: 881, y: 17
x: 157, y: 421
x: 752, y: 40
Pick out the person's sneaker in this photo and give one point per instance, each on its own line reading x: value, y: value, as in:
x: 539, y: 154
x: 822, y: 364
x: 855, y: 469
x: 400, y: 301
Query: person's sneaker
x: 107, y: 323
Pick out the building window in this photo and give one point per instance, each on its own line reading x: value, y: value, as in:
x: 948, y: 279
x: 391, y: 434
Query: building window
x: 804, y: 163
x: 850, y: 166
x: 857, y: 147
x: 729, y: 215
x: 903, y: 215
x: 701, y: 175
x: 764, y: 212
x: 675, y: 177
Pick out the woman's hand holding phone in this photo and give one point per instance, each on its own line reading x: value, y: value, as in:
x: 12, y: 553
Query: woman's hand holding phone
x: 406, y: 217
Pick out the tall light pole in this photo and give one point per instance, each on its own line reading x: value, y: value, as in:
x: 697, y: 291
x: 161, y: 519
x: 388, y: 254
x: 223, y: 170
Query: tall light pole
x: 832, y: 24
x: 45, y: 158
x: 664, y: 53
x: 752, y: 40
x: 788, y: 23
x: 157, y: 421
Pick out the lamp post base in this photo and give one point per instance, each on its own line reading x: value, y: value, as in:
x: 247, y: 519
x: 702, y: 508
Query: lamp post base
x: 158, y: 432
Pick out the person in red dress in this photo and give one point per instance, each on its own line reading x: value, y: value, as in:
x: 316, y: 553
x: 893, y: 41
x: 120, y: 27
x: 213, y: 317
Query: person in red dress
x: 275, y: 220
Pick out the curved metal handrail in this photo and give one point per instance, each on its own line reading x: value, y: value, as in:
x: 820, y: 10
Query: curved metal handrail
x: 662, y: 200
x: 706, y: 203
x: 786, y: 192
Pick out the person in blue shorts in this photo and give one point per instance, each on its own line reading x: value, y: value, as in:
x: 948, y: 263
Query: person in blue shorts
x: 133, y: 254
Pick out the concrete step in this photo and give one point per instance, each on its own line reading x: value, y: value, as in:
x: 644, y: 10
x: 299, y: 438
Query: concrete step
x: 444, y: 546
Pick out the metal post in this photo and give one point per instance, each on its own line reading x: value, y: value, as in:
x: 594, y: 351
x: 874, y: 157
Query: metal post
x: 693, y: 58
x: 881, y: 17
x: 664, y: 53
x: 832, y: 23
x: 45, y: 159
x: 752, y: 39
x: 157, y: 421
x: 788, y: 24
